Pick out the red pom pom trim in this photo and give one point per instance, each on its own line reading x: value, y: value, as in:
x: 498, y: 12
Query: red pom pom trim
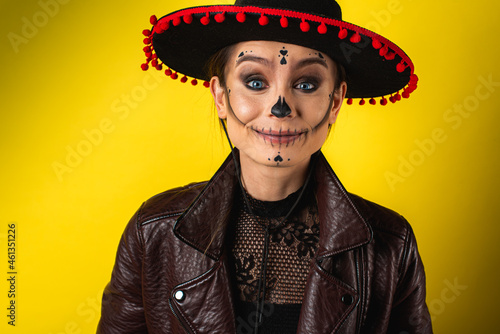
x: 304, y: 26
x: 390, y: 56
x: 147, y: 40
x: 343, y: 33
x: 349, y: 101
x: 153, y: 19
x: 184, y: 79
x: 263, y: 20
x: 400, y: 67
x: 372, y: 101
x: 362, y: 102
x: 174, y: 75
x: 188, y: 18
x: 176, y: 21
x: 220, y: 17
x: 206, y: 84
x: 413, y: 79
x: 159, y: 67
x: 356, y: 38
x: 383, y: 101
x: 146, y: 32
x: 164, y: 25
x: 145, y: 67
x: 168, y: 72
x: 322, y: 29
x: 205, y: 19
x: 376, y: 44
x: 241, y: 17
x: 284, y: 22
x: 383, y: 51
x: 194, y: 82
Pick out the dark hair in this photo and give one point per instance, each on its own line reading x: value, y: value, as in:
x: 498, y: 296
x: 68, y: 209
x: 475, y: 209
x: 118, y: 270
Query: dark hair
x: 216, y: 66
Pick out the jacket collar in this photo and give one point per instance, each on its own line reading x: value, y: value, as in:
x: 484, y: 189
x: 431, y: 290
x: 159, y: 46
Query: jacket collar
x: 203, y: 224
x: 346, y: 228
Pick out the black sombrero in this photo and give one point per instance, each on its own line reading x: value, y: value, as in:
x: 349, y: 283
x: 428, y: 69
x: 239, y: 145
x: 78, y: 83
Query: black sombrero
x: 184, y: 40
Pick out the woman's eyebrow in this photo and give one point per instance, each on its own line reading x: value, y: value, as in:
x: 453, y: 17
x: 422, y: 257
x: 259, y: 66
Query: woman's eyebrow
x: 245, y: 58
x: 310, y: 61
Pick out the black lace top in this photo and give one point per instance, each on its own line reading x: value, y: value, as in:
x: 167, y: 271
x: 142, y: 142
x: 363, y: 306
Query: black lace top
x: 292, y: 246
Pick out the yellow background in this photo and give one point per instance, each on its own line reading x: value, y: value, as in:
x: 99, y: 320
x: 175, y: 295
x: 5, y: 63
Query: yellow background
x: 77, y: 71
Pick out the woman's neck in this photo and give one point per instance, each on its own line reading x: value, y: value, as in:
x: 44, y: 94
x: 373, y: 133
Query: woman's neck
x: 271, y: 183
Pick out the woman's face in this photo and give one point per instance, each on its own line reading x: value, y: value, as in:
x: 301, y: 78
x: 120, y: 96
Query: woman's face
x: 279, y: 100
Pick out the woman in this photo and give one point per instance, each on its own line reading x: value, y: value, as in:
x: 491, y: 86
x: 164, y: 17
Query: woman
x: 272, y: 243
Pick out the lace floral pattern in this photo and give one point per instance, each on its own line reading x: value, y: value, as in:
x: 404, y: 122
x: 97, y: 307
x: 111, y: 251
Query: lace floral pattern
x: 292, y: 246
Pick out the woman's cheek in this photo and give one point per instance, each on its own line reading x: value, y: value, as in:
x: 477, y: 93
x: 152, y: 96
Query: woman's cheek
x: 247, y: 109
x: 312, y: 111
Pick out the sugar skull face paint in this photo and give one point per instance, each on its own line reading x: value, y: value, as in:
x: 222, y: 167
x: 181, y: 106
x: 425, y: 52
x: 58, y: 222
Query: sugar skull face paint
x: 283, y: 55
x: 281, y: 108
x: 278, y: 115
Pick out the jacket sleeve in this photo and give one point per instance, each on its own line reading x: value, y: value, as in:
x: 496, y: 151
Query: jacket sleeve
x: 122, y: 310
x: 410, y: 314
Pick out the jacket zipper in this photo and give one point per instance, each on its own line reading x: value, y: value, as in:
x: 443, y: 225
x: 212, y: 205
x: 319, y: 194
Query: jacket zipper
x: 181, y: 321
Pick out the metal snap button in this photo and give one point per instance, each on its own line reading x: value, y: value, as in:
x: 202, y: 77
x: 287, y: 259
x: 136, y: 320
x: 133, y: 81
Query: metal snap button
x: 179, y: 295
x: 347, y: 299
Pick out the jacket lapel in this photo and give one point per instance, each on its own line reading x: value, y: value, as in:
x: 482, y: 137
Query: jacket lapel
x: 208, y: 305
x: 328, y: 300
x: 203, y: 224
x: 342, y: 227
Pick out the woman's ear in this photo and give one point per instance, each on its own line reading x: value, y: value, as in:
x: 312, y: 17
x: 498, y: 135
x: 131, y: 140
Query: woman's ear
x: 338, y: 98
x: 219, y: 96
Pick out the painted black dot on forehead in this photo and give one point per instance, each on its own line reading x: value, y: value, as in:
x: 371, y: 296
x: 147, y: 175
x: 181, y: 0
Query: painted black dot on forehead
x: 242, y: 53
x: 319, y: 55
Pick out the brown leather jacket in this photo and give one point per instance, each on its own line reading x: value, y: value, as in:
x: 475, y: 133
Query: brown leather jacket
x: 171, y: 273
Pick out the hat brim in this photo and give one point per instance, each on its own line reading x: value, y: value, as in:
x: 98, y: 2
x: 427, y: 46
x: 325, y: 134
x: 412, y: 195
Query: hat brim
x: 186, y: 39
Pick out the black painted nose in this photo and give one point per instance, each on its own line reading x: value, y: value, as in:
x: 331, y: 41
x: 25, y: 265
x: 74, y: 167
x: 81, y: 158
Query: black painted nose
x: 281, y: 109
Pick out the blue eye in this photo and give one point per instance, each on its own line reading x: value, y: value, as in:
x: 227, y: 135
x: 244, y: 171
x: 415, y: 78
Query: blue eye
x: 255, y: 84
x: 306, y: 86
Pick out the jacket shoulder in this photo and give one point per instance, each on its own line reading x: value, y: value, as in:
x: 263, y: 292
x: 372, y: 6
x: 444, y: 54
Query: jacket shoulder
x: 380, y: 218
x: 169, y: 203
